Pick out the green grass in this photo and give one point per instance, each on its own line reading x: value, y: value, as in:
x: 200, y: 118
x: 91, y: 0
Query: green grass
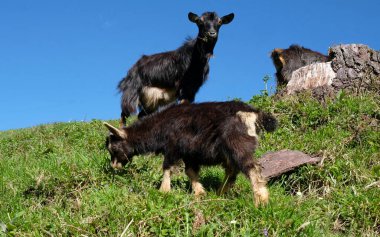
x: 55, y: 180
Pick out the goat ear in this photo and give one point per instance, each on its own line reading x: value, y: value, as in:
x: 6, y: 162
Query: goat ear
x: 193, y: 17
x: 227, y: 18
x: 115, y: 131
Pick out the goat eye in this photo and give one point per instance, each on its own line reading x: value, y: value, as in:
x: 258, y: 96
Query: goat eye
x: 220, y: 22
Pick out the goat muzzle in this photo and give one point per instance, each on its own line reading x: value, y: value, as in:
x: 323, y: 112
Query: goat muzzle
x: 116, y: 165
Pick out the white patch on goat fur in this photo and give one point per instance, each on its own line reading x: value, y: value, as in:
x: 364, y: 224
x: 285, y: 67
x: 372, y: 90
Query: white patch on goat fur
x: 260, y: 191
x: 165, y: 185
x: 154, y: 96
x: 249, y: 118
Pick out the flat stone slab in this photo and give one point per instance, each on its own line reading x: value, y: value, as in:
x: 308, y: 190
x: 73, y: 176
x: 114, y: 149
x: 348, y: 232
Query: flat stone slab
x: 277, y: 163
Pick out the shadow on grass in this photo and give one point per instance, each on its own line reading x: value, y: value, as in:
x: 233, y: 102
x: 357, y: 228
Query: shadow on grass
x: 210, y: 182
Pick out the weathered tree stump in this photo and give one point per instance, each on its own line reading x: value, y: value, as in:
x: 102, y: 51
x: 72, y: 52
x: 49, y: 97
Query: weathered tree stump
x: 311, y: 76
x: 277, y: 163
x: 353, y: 68
x: 357, y: 67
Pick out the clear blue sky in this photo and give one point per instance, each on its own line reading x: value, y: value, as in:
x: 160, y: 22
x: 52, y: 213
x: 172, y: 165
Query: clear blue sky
x: 61, y: 60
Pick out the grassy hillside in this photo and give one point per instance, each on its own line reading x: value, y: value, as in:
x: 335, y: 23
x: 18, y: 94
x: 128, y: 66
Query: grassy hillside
x: 55, y: 180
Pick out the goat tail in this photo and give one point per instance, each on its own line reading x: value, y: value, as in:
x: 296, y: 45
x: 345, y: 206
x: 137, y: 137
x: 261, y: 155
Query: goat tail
x: 130, y: 87
x: 267, y: 121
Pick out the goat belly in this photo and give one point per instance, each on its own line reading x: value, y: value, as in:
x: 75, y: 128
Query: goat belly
x: 203, y: 160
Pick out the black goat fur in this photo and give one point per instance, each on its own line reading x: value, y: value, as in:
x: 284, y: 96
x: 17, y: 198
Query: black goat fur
x: 288, y: 60
x: 210, y: 133
x: 163, y: 78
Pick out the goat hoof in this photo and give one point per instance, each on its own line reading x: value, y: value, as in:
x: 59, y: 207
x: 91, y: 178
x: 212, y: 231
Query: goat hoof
x: 262, y: 197
x: 165, y: 188
x: 199, y: 191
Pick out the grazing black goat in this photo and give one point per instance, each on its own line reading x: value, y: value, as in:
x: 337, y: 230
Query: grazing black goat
x: 288, y: 60
x: 160, y: 79
x: 211, y: 133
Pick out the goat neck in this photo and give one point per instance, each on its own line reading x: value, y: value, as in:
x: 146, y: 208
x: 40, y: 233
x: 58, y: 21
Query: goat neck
x: 145, y: 136
x: 205, y: 46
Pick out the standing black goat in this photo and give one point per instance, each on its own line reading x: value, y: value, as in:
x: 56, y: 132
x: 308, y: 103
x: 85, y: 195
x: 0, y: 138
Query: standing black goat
x: 288, y: 60
x: 211, y: 133
x: 160, y: 79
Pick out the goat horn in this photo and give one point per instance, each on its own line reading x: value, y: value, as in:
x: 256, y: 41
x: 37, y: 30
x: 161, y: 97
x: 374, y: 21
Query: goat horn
x: 115, y: 131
